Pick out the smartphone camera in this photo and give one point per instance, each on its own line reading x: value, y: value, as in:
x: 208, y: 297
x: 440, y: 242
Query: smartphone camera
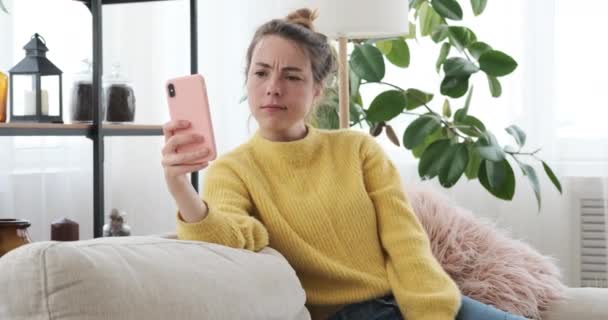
x: 171, y: 89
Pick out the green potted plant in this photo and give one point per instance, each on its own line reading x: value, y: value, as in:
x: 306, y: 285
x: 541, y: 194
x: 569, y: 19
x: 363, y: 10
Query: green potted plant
x: 448, y: 144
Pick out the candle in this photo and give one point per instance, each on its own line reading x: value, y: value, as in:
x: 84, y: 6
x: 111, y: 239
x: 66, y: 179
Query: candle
x: 30, y: 102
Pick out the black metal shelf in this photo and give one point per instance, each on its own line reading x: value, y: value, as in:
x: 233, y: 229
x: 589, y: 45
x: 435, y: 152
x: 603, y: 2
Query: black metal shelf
x: 98, y: 130
x: 44, y: 129
x: 88, y: 2
x: 132, y: 130
x: 98, y: 133
x: 77, y: 129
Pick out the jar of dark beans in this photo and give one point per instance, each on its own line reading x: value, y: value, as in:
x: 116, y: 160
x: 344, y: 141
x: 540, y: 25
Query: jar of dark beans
x: 119, y: 97
x: 82, y: 95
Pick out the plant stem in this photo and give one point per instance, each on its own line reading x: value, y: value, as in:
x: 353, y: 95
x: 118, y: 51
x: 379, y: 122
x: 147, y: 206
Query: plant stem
x: 532, y: 154
x: 411, y: 113
x: 385, y: 83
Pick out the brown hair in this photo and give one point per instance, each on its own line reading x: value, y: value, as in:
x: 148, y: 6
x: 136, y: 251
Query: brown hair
x: 298, y: 27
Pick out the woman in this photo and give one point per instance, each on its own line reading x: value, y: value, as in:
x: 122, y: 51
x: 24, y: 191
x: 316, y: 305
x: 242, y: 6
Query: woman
x: 330, y: 201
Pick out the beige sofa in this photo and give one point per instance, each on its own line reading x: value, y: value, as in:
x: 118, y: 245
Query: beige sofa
x: 158, y: 278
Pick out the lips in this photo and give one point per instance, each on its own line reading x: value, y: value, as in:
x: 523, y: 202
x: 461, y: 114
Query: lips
x: 273, y: 107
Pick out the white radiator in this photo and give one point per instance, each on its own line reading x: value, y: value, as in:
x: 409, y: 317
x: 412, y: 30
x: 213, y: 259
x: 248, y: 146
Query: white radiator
x: 594, y: 261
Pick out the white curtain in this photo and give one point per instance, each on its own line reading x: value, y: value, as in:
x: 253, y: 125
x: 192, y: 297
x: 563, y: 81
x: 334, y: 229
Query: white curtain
x: 554, y: 95
x: 45, y: 178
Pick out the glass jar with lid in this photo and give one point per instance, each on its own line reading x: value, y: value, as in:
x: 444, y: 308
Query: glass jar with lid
x: 82, y: 94
x: 119, y: 96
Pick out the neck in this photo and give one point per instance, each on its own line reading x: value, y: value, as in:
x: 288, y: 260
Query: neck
x: 296, y: 132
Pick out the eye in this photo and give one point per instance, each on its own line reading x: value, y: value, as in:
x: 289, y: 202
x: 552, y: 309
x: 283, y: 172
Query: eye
x: 293, y: 78
x: 260, y: 74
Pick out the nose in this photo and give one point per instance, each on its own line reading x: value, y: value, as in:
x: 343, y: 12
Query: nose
x: 273, y: 88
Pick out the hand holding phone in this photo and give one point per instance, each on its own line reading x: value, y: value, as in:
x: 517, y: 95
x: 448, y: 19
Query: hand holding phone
x: 188, y: 103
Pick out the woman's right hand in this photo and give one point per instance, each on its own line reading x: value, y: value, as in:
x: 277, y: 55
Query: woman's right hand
x: 177, y: 165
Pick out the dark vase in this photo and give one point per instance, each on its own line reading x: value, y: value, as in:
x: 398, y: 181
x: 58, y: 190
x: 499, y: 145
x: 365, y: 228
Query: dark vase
x: 13, y: 234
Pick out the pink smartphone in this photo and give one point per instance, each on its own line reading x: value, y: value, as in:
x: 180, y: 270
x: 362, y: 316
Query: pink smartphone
x: 187, y: 100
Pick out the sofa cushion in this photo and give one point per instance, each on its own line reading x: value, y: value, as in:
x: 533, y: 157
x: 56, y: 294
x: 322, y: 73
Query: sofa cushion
x: 147, y: 278
x: 579, y: 303
x: 487, y: 264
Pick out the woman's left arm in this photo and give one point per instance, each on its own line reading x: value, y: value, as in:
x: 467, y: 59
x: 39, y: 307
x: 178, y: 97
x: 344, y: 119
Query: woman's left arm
x: 421, y: 287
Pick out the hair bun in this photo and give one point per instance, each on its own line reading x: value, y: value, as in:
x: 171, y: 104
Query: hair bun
x: 303, y: 17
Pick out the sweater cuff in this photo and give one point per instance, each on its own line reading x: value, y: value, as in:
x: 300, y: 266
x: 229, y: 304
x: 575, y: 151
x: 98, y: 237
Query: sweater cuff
x: 194, y: 230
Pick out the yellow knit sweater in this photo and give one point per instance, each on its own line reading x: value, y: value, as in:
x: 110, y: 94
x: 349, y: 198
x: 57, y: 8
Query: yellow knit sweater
x: 332, y: 203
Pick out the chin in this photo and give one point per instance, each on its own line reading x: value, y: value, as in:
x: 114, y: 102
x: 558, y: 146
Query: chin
x: 274, y: 124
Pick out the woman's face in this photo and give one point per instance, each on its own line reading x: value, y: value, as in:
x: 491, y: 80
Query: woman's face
x: 280, y: 86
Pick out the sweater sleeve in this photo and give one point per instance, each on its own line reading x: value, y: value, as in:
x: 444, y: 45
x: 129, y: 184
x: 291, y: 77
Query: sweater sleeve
x: 228, y: 221
x: 422, y: 289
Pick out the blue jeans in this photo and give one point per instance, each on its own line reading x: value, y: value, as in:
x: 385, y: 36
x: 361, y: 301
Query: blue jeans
x: 386, y: 308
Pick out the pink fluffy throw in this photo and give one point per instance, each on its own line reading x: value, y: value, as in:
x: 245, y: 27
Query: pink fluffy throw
x: 484, y: 261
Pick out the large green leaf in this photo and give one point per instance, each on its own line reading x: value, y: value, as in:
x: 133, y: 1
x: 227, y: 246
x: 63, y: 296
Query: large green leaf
x: 489, y: 148
x: 355, y: 82
x: 518, y: 134
x: 496, y: 63
x: 497, y: 178
x: 356, y: 108
x: 533, y: 179
x: 411, y: 32
x: 440, y: 33
x: 449, y: 9
x: 455, y: 87
x: 439, y: 134
x: 478, y: 48
x: 458, y: 67
x: 477, y: 127
x: 461, y: 37
x: 553, y: 177
x: 326, y: 114
x: 399, y: 54
x: 478, y: 6
x: 415, y: 4
x: 495, y: 87
x: 384, y: 46
x: 446, y: 110
x: 474, y: 161
x: 453, y: 164
x: 465, y: 109
x: 429, y: 19
x: 443, y: 53
x: 431, y: 160
x: 368, y: 63
x: 419, y: 129
x: 386, y: 106
x: 417, y: 98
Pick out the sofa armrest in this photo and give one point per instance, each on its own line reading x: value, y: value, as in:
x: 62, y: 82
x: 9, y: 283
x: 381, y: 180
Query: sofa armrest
x: 580, y: 303
x: 166, y: 235
x: 147, y: 278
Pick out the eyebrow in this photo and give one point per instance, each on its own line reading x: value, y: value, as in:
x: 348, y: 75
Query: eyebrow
x: 288, y: 68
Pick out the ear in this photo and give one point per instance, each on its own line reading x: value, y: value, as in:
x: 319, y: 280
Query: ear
x: 318, y: 91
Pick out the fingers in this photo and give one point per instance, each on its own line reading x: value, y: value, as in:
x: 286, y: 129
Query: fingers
x: 172, y: 126
x: 185, y: 158
x: 174, y: 142
x: 174, y: 163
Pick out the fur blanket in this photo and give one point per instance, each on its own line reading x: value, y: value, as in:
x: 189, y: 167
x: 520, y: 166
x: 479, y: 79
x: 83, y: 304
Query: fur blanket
x: 484, y: 261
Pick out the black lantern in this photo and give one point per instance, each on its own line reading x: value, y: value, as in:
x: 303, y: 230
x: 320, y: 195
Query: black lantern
x: 36, y: 88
